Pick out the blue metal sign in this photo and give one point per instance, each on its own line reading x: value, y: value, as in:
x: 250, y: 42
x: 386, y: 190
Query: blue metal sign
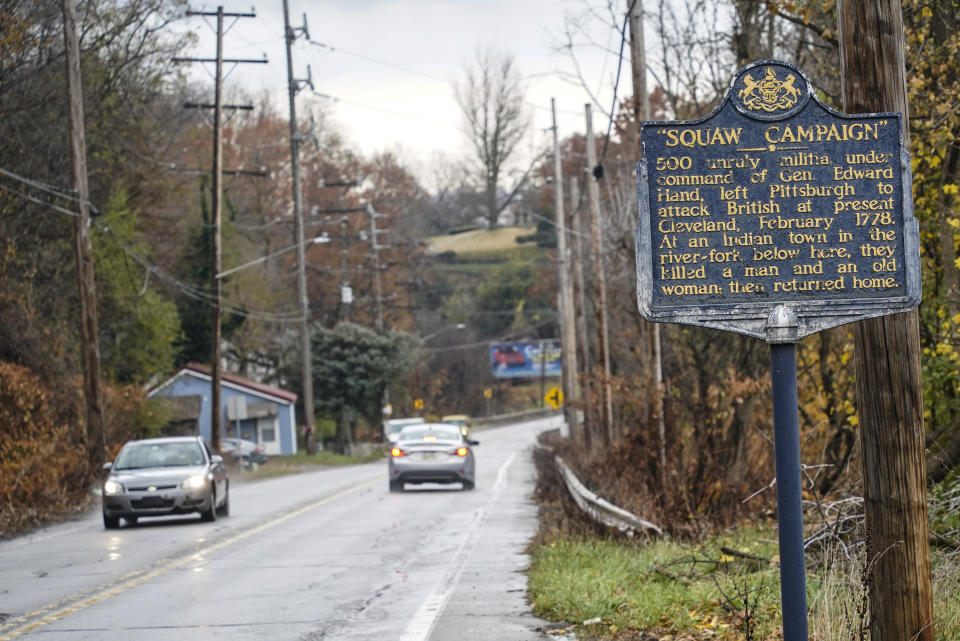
x: 775, y: 216
x: 525, y: 359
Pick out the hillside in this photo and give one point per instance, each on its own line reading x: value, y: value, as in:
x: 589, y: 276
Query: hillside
x: 480, y: 240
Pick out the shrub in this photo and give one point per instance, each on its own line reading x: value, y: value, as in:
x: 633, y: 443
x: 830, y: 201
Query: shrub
x: 42, y: 465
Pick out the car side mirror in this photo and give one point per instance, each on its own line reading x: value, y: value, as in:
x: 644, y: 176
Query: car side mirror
x: 474, y: 442
x: 216, y: 458
x: 108, y: 466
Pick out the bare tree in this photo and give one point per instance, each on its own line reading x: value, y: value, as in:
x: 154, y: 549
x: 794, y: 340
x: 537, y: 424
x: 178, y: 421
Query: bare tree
x: 491, y: 97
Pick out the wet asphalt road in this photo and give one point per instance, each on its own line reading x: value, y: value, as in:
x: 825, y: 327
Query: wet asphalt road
x: 324, y: 555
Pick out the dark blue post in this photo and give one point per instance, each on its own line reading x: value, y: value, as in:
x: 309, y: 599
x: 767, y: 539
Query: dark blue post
x: 786, y: 430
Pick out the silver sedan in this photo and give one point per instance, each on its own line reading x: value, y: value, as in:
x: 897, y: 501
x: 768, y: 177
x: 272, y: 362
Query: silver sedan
x: 160, y: 476
x: 432, y: 453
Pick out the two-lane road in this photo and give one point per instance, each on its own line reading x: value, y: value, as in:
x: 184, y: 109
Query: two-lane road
x: 324, y: 555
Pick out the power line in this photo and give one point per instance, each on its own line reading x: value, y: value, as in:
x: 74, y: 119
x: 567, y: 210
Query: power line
x: 36, y: 184
x: 616, y: 84
x: 377, y: 61
x: 427, y: 75
x: 382, y: 110
x: 37, y: 201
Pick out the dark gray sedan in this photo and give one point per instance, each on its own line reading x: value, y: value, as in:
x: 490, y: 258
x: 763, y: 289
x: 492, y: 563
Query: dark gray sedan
x: 432, y: 453
x: 161, y: 476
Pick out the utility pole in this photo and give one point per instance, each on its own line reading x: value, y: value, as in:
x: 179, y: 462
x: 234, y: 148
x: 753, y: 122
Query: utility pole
x: 306, y: 365
x: 83, y: 246
x: 346, y: 292
x: 216, y: 409
x: 216, y: 413
x: 641, y: 112
x: 583, y: 340
x: 376, y: 246
x: 600, y: 285
x: 568, y: 336
x: 887, y: 365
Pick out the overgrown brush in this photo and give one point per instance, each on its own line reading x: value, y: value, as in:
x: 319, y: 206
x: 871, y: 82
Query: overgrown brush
x: 40, y: 471
x: 44, y: 474
x: 728, y: 577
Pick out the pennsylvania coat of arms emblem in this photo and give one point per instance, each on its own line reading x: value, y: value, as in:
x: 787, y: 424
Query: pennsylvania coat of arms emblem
x: 769, y: 93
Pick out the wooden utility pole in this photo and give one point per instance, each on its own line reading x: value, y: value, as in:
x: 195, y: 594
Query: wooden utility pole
x: 641, y: 112
x: 83, y: 247
x: 216, y: 262
x: 600, y: 285
x: 583, y: 339
x: 375, y: 246
x: 306, y: 362
x: 216, y: 410
x: 887, y: 365
x: 568, y: 335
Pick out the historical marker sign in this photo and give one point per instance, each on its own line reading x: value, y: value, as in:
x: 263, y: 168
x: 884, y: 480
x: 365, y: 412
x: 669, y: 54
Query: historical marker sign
x: 775, y: 216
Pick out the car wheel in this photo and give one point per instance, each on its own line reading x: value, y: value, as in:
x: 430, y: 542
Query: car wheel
x: 467, y: 485
x: 396, y: 486
x: 111, y: 522
x: 225, y: 508
x: 211, y: 514
x: 131, y: 520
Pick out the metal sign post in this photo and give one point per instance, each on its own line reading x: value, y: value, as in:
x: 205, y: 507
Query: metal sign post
x: 786, y: 434
x: 776, y: 217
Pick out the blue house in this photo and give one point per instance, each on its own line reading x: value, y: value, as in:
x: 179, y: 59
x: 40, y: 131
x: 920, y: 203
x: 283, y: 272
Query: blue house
x: 250, y: 410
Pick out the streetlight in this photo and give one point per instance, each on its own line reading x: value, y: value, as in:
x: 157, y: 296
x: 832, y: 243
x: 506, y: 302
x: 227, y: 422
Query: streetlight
x: 323, y: 238
x: 307, y: 377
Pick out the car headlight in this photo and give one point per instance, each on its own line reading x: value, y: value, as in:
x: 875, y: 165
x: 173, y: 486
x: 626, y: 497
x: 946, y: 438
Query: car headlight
x: 111, y: 487
x: 194, y: 482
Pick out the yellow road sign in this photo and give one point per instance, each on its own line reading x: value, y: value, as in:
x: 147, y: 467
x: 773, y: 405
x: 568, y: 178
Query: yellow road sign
x: 554, y: 397
x: 487, y: 392
x: 418, y: 404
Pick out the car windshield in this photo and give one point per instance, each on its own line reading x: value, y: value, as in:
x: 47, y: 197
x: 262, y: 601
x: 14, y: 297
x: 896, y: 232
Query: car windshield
x: 396, y: 425
x: 147, y: 454
x: 431, y: 433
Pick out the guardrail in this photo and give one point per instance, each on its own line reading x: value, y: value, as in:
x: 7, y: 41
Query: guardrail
x: 502, y: 419
x: 600, y: 509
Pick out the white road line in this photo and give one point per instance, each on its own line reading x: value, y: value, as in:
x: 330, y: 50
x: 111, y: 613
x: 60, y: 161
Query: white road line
x: 38, y: 618
x: 430, y: 610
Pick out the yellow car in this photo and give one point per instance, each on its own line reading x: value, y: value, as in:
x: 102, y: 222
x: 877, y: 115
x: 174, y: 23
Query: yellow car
x: 460, y: 420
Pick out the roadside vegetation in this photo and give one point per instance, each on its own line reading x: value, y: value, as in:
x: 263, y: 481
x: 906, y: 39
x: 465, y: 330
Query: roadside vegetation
x: 706, y: 472
x: 712, y: 488
x: 714, y: 580
x: 299, y: 463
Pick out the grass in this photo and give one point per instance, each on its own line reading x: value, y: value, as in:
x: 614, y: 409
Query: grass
x: 684, y: 591
x: 672, y: 589
x: 301, y: 462
x: 479, y: 240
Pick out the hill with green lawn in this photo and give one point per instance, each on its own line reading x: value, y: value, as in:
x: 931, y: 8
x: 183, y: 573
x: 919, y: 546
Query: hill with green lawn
x: 481, y: 240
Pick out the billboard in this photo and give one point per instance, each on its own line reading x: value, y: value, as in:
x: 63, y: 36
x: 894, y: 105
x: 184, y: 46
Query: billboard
x: 521, y: 359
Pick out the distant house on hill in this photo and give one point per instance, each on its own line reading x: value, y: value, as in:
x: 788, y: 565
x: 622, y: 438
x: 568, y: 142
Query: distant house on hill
x: 250, y: 410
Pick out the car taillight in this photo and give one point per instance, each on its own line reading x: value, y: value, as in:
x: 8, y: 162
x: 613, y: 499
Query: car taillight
x: 395, y: 452
x: 461, y: 451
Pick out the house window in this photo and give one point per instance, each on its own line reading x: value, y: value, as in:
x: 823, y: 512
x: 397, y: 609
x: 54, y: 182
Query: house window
x: 268, y: 432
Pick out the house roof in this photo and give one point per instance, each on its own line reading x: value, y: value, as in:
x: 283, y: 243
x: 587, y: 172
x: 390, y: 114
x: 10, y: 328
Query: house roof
x: 260, y: 389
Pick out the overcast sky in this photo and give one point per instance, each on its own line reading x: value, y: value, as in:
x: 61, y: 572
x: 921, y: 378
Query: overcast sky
x: 392, y: 63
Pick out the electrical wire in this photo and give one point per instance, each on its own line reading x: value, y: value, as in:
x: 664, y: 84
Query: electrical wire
x: 382, y: 110
x: 331, y: 48
x: 616, y: 84
x: 37, y: 201
x: 50, y: 189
